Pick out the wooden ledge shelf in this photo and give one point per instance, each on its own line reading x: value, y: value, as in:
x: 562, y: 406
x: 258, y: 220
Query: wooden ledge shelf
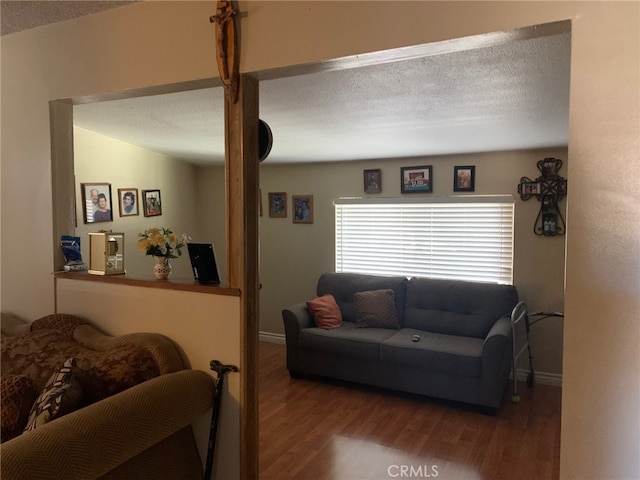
x: 173, y: 283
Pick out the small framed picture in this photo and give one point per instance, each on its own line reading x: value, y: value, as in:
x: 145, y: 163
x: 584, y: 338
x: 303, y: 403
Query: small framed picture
x: 464, y: 179
x: 373, y: 181
x: 416, y: 179
x: 277, y: 205
x: 152, y: 203
x: 128, y: 202
x: 96, y: 201
x: 302, y: 208
x: 527, y: 189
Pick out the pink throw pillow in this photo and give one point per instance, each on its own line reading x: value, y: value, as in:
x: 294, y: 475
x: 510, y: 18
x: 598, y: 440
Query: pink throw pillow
x: 326, y: 312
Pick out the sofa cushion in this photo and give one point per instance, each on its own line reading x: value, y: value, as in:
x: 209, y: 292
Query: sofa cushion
x: 18, y: 394
x: 102, y: 373
x: 61, y: 395
x: 62, y: 322
x: 434, y: 352
x: 114, y: 371
x: 38, y: 354
x: 455, y: 307
x: 343, y: 286
x: 346, y: 341
x: 325, y: 312
x: 376, y: 309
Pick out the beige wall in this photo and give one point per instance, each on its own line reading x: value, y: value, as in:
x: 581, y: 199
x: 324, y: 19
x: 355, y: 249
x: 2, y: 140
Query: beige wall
x: 293, y: 256
x: 210, y: 210
x: 156, y: 43
x: 99, y: 158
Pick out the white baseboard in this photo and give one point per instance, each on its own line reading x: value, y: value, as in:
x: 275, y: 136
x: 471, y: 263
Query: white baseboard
x: 272, y: 337
x: 543, y: 378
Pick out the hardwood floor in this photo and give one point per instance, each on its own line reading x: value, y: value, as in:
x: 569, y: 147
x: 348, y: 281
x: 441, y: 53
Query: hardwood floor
x: 315, y: 429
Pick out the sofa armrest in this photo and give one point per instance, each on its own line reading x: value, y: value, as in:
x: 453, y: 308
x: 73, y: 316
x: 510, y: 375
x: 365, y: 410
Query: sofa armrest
x: 295, y: 318
x: 94, y: 440
x: 496, y: 362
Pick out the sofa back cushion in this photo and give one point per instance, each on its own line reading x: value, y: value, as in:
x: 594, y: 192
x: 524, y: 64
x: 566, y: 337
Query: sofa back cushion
x: 455, y: 307
x: 343, y: 286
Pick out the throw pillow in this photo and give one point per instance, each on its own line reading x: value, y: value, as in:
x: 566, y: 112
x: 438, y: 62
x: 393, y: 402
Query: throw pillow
x: 325, y: 312
x: 18, y: 394
x: 61, y: 395
x: 376, y: 309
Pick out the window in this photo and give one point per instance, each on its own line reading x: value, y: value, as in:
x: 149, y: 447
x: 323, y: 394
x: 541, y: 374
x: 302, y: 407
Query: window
x: 464, y: 238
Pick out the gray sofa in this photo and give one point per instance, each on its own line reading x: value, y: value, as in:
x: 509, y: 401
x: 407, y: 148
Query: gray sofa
x: 464, y: 347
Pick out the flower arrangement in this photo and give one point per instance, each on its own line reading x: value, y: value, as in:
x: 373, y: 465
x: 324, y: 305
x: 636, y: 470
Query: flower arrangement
x: 162, y: 242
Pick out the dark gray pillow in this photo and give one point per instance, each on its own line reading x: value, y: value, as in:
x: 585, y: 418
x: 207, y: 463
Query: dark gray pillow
x: 376, y: 309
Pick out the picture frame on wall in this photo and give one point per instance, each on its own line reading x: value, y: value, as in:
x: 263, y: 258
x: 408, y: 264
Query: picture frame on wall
x: 416, y: 179
x: 277, y: 205
x: 464, y: 178
x: 373, y: 181
x: 152, y: 203
x: 96, y: 202
x: 129, y: 200
x: 528, y: 189
x: 302, y: 208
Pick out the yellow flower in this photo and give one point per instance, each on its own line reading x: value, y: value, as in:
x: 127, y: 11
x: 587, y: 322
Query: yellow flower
x: 142, y: 244
x: 161, y: 241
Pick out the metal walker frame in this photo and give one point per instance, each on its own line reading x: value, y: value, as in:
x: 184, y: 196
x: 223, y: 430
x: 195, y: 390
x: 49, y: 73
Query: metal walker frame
x: 520, y: 321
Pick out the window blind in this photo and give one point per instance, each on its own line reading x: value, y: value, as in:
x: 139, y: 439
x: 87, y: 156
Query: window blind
x: 465, y: 238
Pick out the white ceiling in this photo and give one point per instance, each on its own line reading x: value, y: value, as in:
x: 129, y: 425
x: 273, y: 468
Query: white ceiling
x: 509, y: 96
x: 512, y: 95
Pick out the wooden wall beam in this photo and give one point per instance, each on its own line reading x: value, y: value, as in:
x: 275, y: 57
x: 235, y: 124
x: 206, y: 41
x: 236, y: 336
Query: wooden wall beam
x: 242, y: 173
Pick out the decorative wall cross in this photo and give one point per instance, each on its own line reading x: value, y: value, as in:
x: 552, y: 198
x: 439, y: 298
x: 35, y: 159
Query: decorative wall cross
x: 549, y: 188
x: 226, y: 54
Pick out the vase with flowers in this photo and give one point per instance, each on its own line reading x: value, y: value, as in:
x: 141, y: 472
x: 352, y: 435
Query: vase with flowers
x: 163, y: 244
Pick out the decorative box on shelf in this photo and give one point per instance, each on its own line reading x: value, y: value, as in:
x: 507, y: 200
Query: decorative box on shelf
x: 106, y: 253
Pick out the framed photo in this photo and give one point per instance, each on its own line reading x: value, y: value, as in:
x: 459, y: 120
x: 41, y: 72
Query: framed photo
x: 302, y: 208
x: 277, y: 205
x: 96, y: 201
x: 527, y: 189
x: 373, y: 181
x: 464, y: 179
x: 416, y: 179
x: 152, y: 203
x: 128, y: 202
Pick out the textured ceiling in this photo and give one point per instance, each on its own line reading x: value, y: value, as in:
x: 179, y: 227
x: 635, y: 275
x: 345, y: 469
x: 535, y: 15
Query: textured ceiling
x: 16, y: 16
x: 513, y: 95
x: 509, y: 96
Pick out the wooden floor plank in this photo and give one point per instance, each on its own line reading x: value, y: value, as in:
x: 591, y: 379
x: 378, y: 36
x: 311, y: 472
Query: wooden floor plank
x: 319, y: 429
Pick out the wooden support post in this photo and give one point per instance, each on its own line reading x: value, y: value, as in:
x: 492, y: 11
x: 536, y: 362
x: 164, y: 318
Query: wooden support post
x: 241, y: 140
